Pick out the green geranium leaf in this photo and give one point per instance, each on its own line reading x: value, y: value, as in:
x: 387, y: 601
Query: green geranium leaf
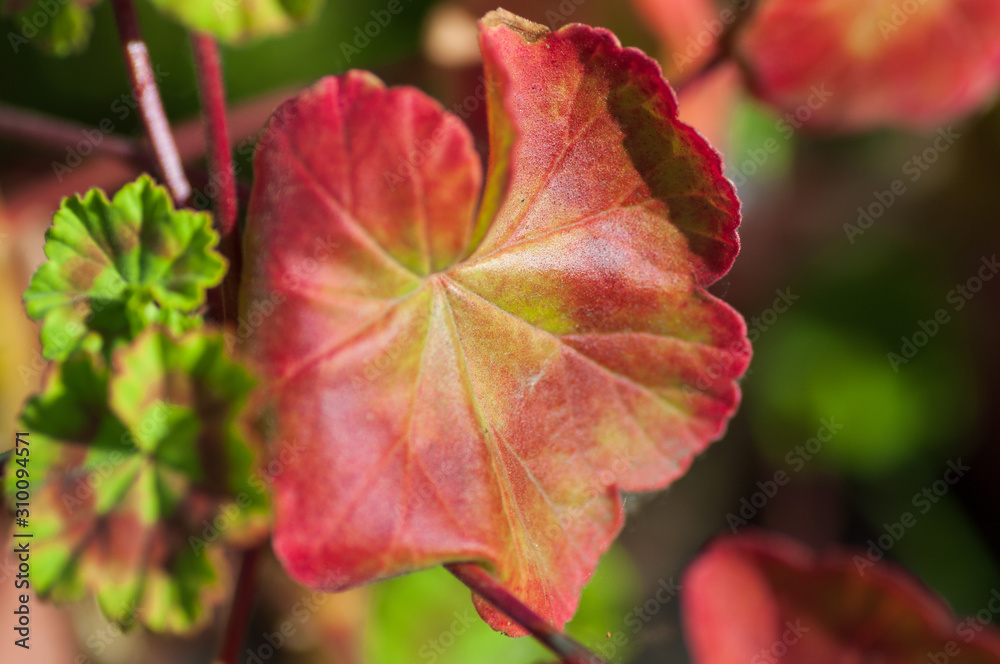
x: 63, y: 27
x: 239, y: 20
x: 139, y: 473
x: 60, y: 27
x: 117, y: 266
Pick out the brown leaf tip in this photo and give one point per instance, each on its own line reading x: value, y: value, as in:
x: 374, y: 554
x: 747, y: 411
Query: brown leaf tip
x: 531, y: 32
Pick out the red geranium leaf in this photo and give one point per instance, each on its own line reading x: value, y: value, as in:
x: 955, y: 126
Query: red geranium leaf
x: 483, y: 391
x: 862, y: 63
x: 708, y: 104
x: 689, y: 30
x: 762, y: 598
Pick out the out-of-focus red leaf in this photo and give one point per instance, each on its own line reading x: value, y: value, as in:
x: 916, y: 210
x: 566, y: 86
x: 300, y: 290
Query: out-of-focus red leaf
x: 453, y: 386
x: 855, y: 64
x: 689, y: 30
x: 708, y: 103
x: 756, y: 598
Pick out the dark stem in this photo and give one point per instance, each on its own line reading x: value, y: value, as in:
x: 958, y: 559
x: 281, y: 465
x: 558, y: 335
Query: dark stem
x: 724, y: 47
x: 481, y: 583
x: 711, y: 65
x: 242, y: 609
x: 147, y: 94
x: 213, y: 104
x: 28, y: 126
x: 222, y: 177
x: 31, y: 127
x: 222, y: 301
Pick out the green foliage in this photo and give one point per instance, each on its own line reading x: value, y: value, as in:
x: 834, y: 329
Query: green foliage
x: 127, y: 469
x: 819, y: 363
x: 117, y: 266
x: 251, y: 68
x: 239, y: 20
x: 446, y: 629
x: 141, y: 466
x: 60, y: 28
x: 64, y: 27
x: 762, y: 145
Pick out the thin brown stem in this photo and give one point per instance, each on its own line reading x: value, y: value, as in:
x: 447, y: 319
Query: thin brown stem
x: 222, y: 300
x: 213, y: 103
x: 706, y: 69
x: 29, y: 126
x: 222, y: 177
x: 32, y: 127
x: 724, y: 47
x: 481, y: 583
x: 147, y: 94
x: 241, y: 610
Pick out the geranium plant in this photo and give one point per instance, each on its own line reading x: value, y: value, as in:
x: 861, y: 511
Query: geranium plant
x: 457, y: 365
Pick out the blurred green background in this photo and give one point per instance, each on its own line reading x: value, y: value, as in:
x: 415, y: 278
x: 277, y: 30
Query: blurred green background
x: 822, y: 352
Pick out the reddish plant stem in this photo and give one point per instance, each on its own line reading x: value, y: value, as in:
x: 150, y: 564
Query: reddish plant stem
x: 222, y: 176
x: 241, y: 610
x: 201, y: 179
x: 213, y: 103
x: 27, y: 126
x: 724, y: 48
x: 32, y: 127
x: 481, y: 583
x: 711, y: 65
x: 147, y: 94
x: 222, y: 300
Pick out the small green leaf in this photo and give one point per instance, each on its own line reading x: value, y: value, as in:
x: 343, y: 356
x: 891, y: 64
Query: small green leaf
x: 63, y: 27
x: 116, y: 267
x: 58, y: 27
x: 240, y: 20
x: 138, y: 473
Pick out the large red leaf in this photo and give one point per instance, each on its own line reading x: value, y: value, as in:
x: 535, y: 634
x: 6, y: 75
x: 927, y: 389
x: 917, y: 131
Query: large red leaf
x: 762, y: 598
x: 483, y: 390
x: 854, y: 64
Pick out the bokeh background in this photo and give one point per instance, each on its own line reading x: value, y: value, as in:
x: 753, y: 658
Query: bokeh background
x: 827, y: 298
